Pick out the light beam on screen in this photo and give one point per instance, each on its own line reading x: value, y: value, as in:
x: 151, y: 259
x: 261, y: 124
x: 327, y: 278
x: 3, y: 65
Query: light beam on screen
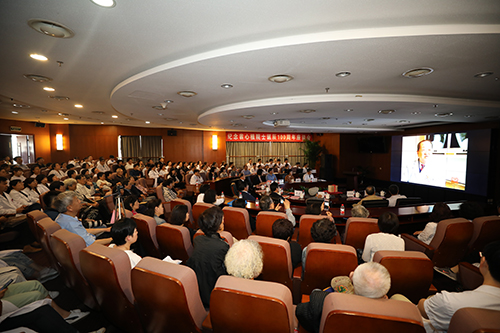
x: 436, y: 159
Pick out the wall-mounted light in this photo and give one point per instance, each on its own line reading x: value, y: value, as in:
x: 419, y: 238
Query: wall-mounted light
x: 59, y: 141
x: 214, y: 142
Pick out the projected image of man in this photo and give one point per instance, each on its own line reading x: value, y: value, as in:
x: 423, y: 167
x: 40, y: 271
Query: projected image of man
x: 422, y: 170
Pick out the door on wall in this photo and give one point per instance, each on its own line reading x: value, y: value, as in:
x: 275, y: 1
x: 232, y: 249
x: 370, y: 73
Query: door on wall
x: 18, y: 145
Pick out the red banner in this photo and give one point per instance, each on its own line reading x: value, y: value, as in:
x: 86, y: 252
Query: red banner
x: 259, y: 137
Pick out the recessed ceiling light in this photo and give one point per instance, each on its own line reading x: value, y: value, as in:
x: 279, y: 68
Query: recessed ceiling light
x: 15, y: 112
x: 483, y: 75
x: 468, y: 116
x: 326, y: 118
x: 114, y: 116
x: 348, y: 110
x: 302, y: 122
x: 232, y: 121
x: 418, y: 72
x: 168, y: 101
x: 227, y: 86
x: 307, y: 111
x: 39, y: 57
x: 147, y: 122
x: 180, y: 122
x: 348, y: 123
x: 21, y: 106
x: 444, y: 114
x: 59, y: 114
x: 280, y: 78
x: 78, y: 106
x: 37, y: 78
x: 416, y: 112
x: 386, y: 111
x: 48, y: 89
x: 435, y: 106
x: 98, y: 112
x: 102, y: 122
x: 358, y: 96
x: 158, y: 107
x: 66, y: 118
x: 63, y: 114
x: 248, y: 116
x: 60, y: 98
x: 105, y: 3
x: 160, y: 114
x: 274, y: 113
x: 343, y: 74
x: 49, y: 28
x: 186, y: 93
x: 403, y: 121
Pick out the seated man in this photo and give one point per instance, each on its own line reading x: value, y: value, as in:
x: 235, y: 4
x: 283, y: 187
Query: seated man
x: 370, y: 195
x: 196, y: 178
x: 387, y: 239
x: 244, y: 259
x: 439, y: 309
x: 283, y: 229
x: 267, y: 204
x: 359, y: 211
x: 308, y: 177
x: 169, y: 194
x: 68, y: 205
x: 243, y: 188
x: 394, y: 191
x: 275, y: 193
x: 271, y: 176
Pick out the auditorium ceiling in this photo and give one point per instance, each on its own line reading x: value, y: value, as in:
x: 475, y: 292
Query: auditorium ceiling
x: 283, y: 65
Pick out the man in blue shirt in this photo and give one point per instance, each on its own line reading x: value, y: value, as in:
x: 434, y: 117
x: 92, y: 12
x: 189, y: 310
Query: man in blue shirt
x: 68, y: 205
x: 271, y: 176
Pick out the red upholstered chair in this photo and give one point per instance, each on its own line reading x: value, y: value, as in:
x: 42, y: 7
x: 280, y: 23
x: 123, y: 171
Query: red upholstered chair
x: 265, y: 220
x: 128, y: 214
x: 42, y: 203
x: 228, y: 238
x: 358, y: 314
x: 357, y: 229
x: 146, y: 226
x: 107, y: 271
x: 475, y: 320
x: 167, y: 297
x: 248, y: 306
x: 198, y: 209
x: 305, y: 224
x: 237, y: 222
x: 449, y: 244
x: 46, y: 227
x: 411, y: 273
x: 486, y: 230
x: 66, y: 247
x: 324, y: 262
x: 174, y: 241
x: 469, y: 276
x: 178, y: 201
x: 33, y: 217
x: 159, y: 194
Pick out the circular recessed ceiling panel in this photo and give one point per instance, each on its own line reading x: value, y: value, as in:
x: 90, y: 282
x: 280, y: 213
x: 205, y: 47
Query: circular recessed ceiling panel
x: 49, y: 28
x: 37, y: 78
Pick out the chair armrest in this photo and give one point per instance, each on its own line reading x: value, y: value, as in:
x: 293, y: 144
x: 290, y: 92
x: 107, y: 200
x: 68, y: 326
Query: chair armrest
x: 296, y: 284
x: 414, y: 244
x: 469, y: 276
x: 207, y: 325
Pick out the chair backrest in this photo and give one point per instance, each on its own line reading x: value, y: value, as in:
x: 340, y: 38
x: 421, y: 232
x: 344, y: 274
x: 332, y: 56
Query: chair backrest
x: 66, y: 247
x: 475, y: 320
x: 265, y: 220
x: 225, y: 235
x: 33, y: 217
x: 198, y: 209
x: 305, y: 224
x: 46, y: 227
x: 167, y: 297
x: 237, y: 222
x: 411, y: 273
x: 357, y: 229
x: 324, y: 262
x: 469, y: 276
x: 450, y: 241
x: 174, y: 241
x: 42, y: 203
x: 187, y: 177
x: 240, y: 305
x: 107, y: 271
x: 178, y: 201
x: 159, y: 194
x: 277, y: 260
x: 486, y: 230
x: 146, y: 226
x: 356, y: 314
x: 375, y: 203
x: 404, y: 202
x: 234, y: 189
x: 128, y: 214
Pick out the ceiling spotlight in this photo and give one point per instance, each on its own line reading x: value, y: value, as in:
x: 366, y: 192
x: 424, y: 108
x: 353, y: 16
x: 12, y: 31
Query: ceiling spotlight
x: 186, y: 93
x: 343, y: 74
x: 102, y: 122
x: 227, y: 86
x: 386, y: 111
x: 435, y: 106
x: 416, y: 112
x: 248, y: 116
x: 105, y: 3
x: 403, y: 121
x: 37, y: 78
x: 21, y: 106
x: 468, y: 116
x: 49, y: 28
x: 483, y: 75
x: 66, y: 118
x: 274, y: 113
x: 48, y: 89
x: 418, y: 72
x: 160, y: 114
x: 15, y: 112
x: 114, y: 116
x: 307, y: 111
x: 348, y: 110
x: 60, y: 98
x: 180, y: 122
x: 281, y: 78
x: 39, y: 57
x: 147, y: 122
x: 78, y: 106
x: 444, y: 114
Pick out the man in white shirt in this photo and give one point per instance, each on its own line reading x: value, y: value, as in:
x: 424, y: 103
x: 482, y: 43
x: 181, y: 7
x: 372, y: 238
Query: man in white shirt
x: 130, y: 164
x: 439, y: 308
x: 308, y: 177
x: 19, y: 161
x: 394, y: 191
x: 196, y: 178
x: 102, y: 166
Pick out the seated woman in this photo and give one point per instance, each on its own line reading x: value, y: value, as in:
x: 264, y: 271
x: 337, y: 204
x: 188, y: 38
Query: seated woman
x: 179, y: 216
x: 244, y: 259
x: 131, y: 203
x: 30, y: 189
x: 289, y: 176
x: 42, y: 186
x: 283, y: 229
x: 20, y: 198
x: 209, y: 252
x: 440, y: 212
x: 316, y: 207
x: 154, y: 208
x: 387, y: 239
x: 322, y: 231
x: 212, y: 198
x: 124, y: 234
